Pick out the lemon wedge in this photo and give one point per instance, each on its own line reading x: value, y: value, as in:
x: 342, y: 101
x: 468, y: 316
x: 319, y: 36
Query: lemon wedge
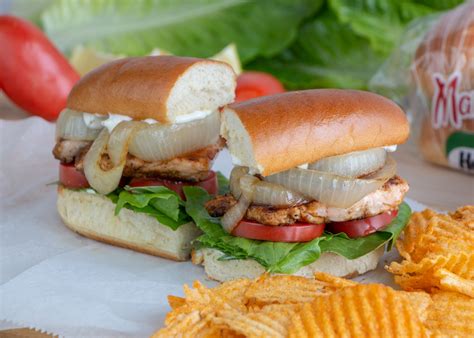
x: 229, y: 55
x: 84, y: 59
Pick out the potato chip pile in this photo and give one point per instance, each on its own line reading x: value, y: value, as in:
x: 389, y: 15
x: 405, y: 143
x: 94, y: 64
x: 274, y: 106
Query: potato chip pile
x: 326, y: 306
x: 438, y: 252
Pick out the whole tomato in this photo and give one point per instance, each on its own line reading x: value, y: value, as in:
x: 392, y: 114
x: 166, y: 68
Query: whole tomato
x: 253, y: 84
x: 33, y: 73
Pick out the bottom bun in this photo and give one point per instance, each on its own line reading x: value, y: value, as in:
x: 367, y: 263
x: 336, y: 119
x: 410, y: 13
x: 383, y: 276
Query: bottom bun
x: 248, y: 268
x: 92, y: 215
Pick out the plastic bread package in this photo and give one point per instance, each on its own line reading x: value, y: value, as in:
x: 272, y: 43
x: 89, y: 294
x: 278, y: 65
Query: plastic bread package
x: 431, y: 74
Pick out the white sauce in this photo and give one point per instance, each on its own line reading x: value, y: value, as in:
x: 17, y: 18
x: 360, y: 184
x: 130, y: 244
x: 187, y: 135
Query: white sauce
x: 114, y: 120
x: 92, y: 121
x: 97, y: 121
x: 197, y: 115
x: 303, y: 166
x: 390, y: 149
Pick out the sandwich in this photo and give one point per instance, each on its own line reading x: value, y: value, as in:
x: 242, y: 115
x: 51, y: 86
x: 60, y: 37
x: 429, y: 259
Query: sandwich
x: 314, y: 187
x: 135, y: 132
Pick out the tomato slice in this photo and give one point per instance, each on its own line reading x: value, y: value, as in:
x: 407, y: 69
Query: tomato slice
x: 255, y: 84
x: 209, y: 184
x: 299, y: 232
x: 72, y: 178
x: 363, y: 227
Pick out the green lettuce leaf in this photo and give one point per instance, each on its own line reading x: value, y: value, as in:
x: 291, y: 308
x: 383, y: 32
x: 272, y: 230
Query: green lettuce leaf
x: 284, y: 257
x: 223, y: 184
x: 382, y: 21
x: 326, y: 53
x: 160, y: 202
x: 196, y: 28
x: 344, y: 45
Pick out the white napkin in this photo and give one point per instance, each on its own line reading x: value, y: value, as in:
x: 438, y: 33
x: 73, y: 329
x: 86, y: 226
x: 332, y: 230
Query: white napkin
x: 62, y: 283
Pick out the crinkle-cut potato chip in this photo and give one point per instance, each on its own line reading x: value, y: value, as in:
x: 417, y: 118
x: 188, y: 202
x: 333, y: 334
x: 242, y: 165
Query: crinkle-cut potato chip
x: 203, y: 295
x: 420, y: 302
x: 175, y: 302
x: 451, y: 315
x: 444, y: 237
x: 197, y: 317
x: 464, y: 215
x: 333, y: 282
x: 234, y: 289
x: 459, y: 263
x: 412, y: 234
x: 190, y: 323
x: 451, y: 282
x: 434, y: 235
x: 432, y: 242
x: 359, y: 311
x: 421, y: 276
x: 328, y: 306
x: 282, y: 289
x: 254, y: 324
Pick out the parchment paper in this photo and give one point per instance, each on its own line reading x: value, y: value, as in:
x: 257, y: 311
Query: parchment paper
x: 59, y: 282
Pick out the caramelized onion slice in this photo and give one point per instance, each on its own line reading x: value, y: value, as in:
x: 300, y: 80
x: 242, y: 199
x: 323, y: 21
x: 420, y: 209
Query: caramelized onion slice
x: 159, y: 142
x: 267, y: 193
x: 235, y: 176
x: 333, y: 190
x: 355, y: 164
x: 264, y: 193
x: 71, y: 126
x: 119, y: 140
x: 235, y: 214
x: 101, y: 180
x: 116, y: 146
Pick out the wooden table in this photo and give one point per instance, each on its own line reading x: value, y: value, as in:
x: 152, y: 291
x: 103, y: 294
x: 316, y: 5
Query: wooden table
x: 435, y: 186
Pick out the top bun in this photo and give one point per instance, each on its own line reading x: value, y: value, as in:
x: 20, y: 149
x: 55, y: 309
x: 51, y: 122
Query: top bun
x: 279, y: 132
x: 156, y: 87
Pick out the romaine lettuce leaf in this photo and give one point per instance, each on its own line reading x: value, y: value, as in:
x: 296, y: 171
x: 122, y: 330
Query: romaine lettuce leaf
x: 382, y: 21
x: 159, y: 202
x: 284, y: 257
x: 326, y: 53
x: 344, y: 45
x: 196, y: 28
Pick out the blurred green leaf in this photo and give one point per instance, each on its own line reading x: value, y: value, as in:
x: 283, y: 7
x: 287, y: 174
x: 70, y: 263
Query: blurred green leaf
x: 383, y: 21
x: 27, y: 9
x: 325, y: 54
x: 198, y: 28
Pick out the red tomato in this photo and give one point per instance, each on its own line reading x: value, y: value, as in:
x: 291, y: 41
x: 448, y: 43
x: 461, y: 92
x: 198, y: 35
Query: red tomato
x: 365, y: 226
x: 255, y: 84
x: 209, y: 184
x: 299, y: 232
x: 33, y: 73
x: 72, y: 178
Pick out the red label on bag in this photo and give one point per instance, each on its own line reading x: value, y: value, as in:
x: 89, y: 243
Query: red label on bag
x: 450, y: 106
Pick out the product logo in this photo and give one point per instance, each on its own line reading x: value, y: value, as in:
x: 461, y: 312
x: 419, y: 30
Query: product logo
x: 460, y: 151
x: 450, y: 106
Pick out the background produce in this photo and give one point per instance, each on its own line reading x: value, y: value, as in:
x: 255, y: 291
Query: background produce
x: 305, y: 43
x: 33, y: 73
